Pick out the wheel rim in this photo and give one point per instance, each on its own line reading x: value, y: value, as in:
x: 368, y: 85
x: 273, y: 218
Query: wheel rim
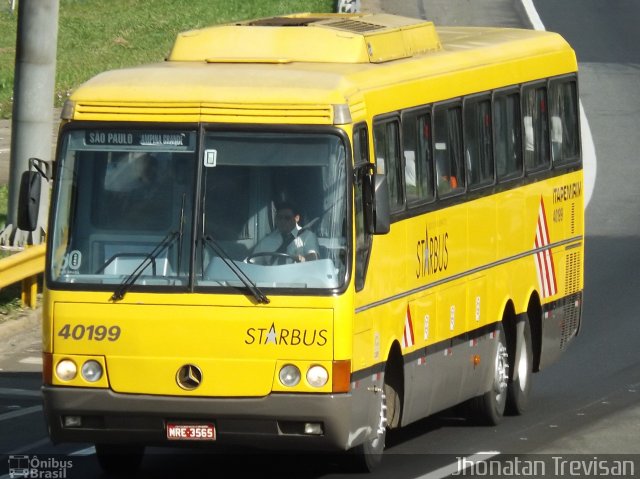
x: 523, y: 367
x: 501, y: 373
x: 381, y: 427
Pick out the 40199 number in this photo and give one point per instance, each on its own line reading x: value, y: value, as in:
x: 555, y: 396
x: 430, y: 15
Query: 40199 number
x: 91, y: 332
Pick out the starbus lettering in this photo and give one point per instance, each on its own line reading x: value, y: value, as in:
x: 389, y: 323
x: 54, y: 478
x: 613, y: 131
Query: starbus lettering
x: 432, y: 254
x: 286, y: 337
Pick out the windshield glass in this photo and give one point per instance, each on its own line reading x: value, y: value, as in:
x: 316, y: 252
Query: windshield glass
x: 120, y: 194
x: 271, y: 211
x: 275, y: 205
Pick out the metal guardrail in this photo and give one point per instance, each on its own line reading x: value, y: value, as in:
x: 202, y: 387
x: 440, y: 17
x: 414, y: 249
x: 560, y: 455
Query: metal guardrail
x: 24, y: 266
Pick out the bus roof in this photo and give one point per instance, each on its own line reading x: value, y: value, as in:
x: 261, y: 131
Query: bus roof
x: 295, y: 68
x: 333, y: 38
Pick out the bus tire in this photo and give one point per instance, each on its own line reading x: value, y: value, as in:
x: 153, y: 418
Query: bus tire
x: 119, y: 458
x: 489, y: 408
x: 522, y: 363
x: 367, y: 457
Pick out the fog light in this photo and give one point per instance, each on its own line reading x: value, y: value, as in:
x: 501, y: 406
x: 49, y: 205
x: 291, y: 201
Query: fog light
x: 66, y: 370
x: 317, y: 376
x: 72, y: 421
x: 289, y: 375
x: 313, y: 428
x: 91, y: 371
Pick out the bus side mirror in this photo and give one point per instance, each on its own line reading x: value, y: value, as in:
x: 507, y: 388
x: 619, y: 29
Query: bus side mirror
x: 381, y: 213
x: 29, y: 194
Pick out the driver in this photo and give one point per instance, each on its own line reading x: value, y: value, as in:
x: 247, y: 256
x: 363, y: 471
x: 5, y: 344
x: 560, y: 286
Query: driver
x: 288, y: 238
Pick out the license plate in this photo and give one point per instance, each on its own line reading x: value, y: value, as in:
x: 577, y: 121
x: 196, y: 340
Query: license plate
x: 191, y: 432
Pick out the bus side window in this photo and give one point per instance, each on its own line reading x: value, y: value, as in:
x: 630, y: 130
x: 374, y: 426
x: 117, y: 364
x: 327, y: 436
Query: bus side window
x: 418, y: 166
x: 386, y: 137
x: 478, y: 142
x: 507, y: 135
x: 563, y: 111
x: 362, y: 237
x: 536, y: 129
x: 448, y: 150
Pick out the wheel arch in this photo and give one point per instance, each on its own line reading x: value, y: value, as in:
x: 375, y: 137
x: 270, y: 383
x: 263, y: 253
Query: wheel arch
x: 394, y: 379
x: 534, y: 312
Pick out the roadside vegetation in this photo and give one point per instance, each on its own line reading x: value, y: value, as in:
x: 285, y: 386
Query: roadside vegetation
x: 98, y: 35
x: 94, y: 35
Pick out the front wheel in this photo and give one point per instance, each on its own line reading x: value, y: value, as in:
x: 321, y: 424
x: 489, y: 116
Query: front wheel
x: 367, y: 457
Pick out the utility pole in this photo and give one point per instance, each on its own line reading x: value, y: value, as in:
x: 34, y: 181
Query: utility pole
x: 31, y: 124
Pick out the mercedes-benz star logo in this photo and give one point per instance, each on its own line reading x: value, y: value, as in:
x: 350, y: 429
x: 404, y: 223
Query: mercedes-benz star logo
x: 189, y: 377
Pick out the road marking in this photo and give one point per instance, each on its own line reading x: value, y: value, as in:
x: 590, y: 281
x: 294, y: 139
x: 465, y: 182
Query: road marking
x: 532, y: 13
x: 32, y: 360
x: 29, y: 447
x: 454, y: 468
x: 20, y: 392
x: 89, y: 451
x: 20, y: 412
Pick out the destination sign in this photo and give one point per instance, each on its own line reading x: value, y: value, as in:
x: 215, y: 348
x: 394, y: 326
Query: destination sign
x: 136, y: 138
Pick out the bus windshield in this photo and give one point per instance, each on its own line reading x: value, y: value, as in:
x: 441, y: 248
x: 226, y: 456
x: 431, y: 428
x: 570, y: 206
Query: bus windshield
x: 126, y: 210
x: 247, y: 179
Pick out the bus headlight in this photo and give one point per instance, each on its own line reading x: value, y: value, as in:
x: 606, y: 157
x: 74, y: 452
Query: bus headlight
x: 289, y: 375
x: 66, y: 370
x: 317, y: 376
x: 91, y: 371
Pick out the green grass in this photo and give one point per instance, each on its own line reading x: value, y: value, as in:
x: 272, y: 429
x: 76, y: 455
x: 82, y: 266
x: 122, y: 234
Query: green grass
x: 98, y: 35
x: 10, y: 302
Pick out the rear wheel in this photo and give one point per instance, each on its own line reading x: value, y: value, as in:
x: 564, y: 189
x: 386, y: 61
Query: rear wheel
x: 119, y: 459
x: 489, y: 408
x: 521, y: 352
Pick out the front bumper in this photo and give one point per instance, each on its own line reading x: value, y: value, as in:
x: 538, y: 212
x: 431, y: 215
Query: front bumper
x: 274, y: 421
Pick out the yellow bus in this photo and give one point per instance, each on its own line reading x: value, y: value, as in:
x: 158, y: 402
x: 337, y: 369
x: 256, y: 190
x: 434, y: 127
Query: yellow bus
x: 437, y: 173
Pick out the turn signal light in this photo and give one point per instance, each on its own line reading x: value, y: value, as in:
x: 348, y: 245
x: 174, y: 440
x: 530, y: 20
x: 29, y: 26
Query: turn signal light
x: 341, y: 376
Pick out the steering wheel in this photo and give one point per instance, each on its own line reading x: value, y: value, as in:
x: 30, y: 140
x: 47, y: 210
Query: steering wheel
x: 271, y: 254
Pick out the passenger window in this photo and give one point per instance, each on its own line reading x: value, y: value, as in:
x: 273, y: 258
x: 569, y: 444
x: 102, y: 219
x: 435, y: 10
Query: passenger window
x: 563, y: 112
x: 448, y: 150
x: 478, y: 142
x: 508, y: 136
x: 387, y: 151
x: 536, y: 130
x: 418, y: 160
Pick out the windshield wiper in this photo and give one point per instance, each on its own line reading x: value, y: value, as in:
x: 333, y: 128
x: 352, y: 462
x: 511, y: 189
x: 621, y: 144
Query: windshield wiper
x: 149, y: 259
x: 250, y: 285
